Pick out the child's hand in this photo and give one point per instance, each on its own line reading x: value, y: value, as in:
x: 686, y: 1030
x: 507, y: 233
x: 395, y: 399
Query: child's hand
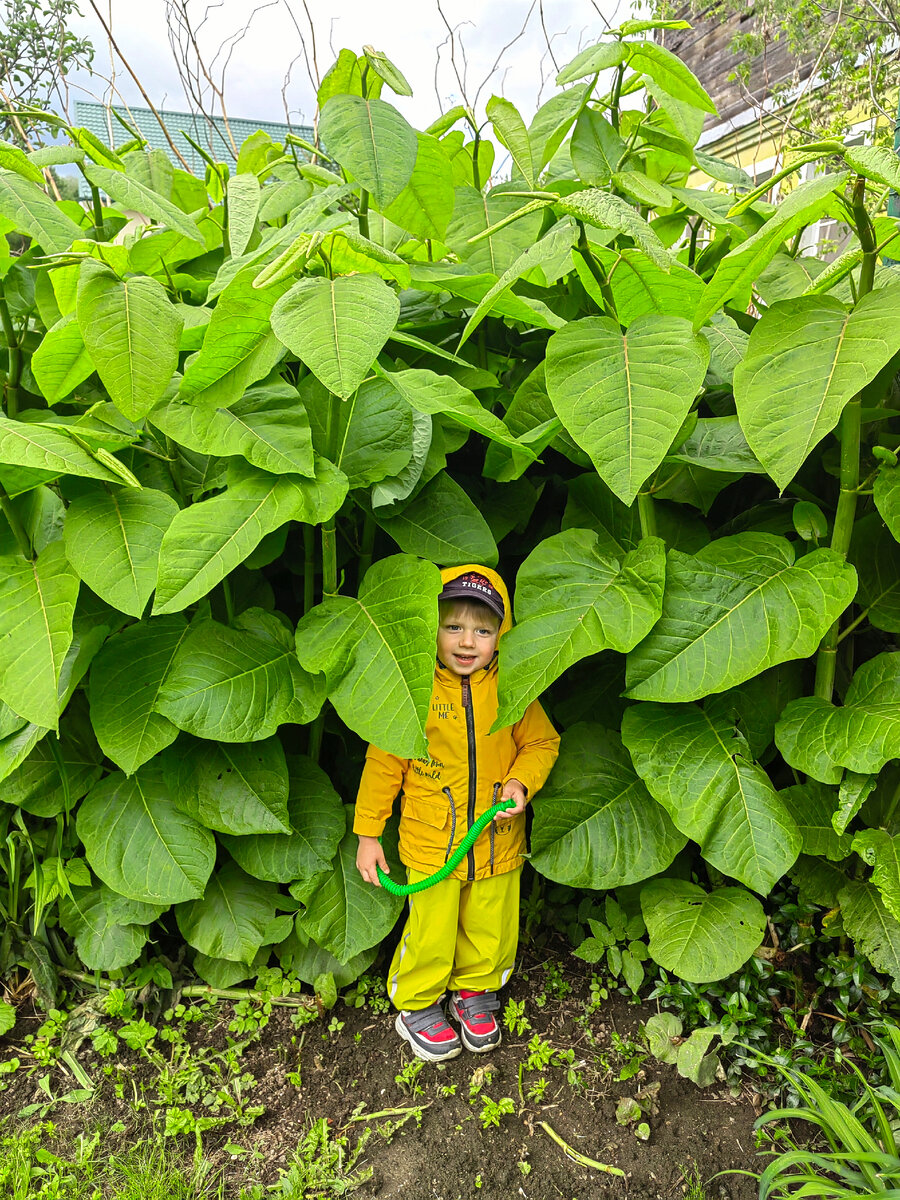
x: 512, y: 790
x: 369, y: 856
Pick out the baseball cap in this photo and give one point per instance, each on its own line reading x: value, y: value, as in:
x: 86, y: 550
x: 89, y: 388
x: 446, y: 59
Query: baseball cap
x: 474, y: 587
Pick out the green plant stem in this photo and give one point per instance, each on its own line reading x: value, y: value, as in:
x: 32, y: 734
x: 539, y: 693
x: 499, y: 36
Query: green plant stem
x: 368, y: 546
x: 851, y: 425
x: 175, y: 468
x: 97, y: 204
x: 15, y: 523
x: 198, y: 989
x: 614, y: 98
x: 309, y: 568
x: 692, y: 250
x: 476, y: 176
x: 364, y: 213
x: 596, y: 270
x: 647, y: 513
x: 14, y: 352
x: 581, y: 1159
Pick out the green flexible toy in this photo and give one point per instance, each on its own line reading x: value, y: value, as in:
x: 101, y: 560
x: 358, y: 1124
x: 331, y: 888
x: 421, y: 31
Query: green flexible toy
x: 408, y: 889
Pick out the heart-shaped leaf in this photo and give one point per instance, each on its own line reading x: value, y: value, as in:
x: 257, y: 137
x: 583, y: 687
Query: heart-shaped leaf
x: 700, y: 936
x: 623, y: 397
x: 595, y: 823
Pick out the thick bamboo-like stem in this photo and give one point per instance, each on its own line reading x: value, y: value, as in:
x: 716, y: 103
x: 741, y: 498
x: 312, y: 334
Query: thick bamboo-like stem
x: 309, y: 568
x: 647, y: 513
x: 14, y: 353
x: 851, y: 424
x: 364, y: 213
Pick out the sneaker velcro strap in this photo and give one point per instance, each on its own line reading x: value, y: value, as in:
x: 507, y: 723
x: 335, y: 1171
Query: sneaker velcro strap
x: 424, y: 1019
x: 470, y: 1007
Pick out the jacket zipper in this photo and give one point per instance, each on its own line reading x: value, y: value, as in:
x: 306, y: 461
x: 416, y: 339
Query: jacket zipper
x: 473, y: 767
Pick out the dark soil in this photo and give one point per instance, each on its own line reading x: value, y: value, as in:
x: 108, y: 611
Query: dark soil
x: 447, y: 1155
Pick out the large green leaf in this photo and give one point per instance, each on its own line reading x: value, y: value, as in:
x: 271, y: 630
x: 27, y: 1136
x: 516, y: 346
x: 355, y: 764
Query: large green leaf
x: 300, y: 954
x: 444, y: 524
x: 337, y: 327
x: 140, y: 844
x: 267, y: 426
x: 700, y: 936
x: 109, y: 929
x: 717, y: 444
x: 875, y: 162
x: 553, y: 120
x: 32, y: 212
x: 131, y: 193
x: 746, y: 262
x: 368, y: 437
x: 736, y: 607
x: 239, y: 346
x: 61, y: 362
x: 238, y: 789
x: 41, y: 448
x: 233, y: 917
x: 112, y: 540
x: 806, y: 358
x: 874, y: 929
x: 573, y: 600
x: 428, y: 392
x: 377, y: 652
x: 623, y: 397
x: 37, y: 604
x: 882, y: 853
x: 131, y: 331
x: 595, y: 823
x: 206, y: 541
x: 372, y: 141
x: 425, y: 205
x: 345, y: 914
x: 126, y: 678
x: 699, y: 767
x: 820, y: 739
x: 316, y: 820
x: 237, y: 684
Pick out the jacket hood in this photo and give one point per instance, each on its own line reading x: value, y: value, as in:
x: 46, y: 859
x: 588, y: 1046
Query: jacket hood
x: 449, y: 573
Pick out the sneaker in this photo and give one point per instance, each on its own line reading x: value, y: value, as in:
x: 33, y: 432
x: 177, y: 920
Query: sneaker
x: 428, y: 1033
x: 477, y: 1024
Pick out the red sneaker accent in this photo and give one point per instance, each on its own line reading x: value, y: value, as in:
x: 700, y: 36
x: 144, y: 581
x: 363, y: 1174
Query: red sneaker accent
x: 488, y: 1025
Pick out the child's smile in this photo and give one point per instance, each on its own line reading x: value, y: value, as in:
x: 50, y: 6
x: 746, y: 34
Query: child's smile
x: 465, y: 643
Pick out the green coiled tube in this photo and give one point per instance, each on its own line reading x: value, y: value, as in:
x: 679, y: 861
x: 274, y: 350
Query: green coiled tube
x: 408, y: 889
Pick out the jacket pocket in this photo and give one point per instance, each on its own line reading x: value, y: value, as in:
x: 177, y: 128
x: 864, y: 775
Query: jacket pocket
x: 424, y: 829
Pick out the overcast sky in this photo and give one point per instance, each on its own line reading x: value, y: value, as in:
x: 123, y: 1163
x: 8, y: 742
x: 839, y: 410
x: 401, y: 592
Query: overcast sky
x: 413, y: 35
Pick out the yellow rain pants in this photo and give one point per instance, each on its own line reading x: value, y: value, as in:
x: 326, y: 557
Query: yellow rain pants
x: 459, y: 936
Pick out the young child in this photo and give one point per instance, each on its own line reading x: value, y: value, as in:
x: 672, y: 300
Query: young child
x: 461, y: 933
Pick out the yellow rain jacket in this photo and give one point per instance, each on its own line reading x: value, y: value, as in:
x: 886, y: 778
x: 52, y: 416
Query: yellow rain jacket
x: 443, y: 794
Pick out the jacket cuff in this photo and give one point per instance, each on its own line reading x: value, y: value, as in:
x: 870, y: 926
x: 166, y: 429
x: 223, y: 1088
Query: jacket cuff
x: 517, y: 775
x: 368, y: 826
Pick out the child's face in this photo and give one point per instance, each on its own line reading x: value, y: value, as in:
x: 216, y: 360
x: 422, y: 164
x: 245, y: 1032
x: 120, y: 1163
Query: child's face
x: 466, y: 640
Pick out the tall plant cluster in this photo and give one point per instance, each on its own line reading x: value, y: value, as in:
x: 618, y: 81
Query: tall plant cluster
x: 242, y: 429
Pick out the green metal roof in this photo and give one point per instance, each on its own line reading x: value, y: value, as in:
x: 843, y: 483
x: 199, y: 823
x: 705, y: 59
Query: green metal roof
x: 211, y: 134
